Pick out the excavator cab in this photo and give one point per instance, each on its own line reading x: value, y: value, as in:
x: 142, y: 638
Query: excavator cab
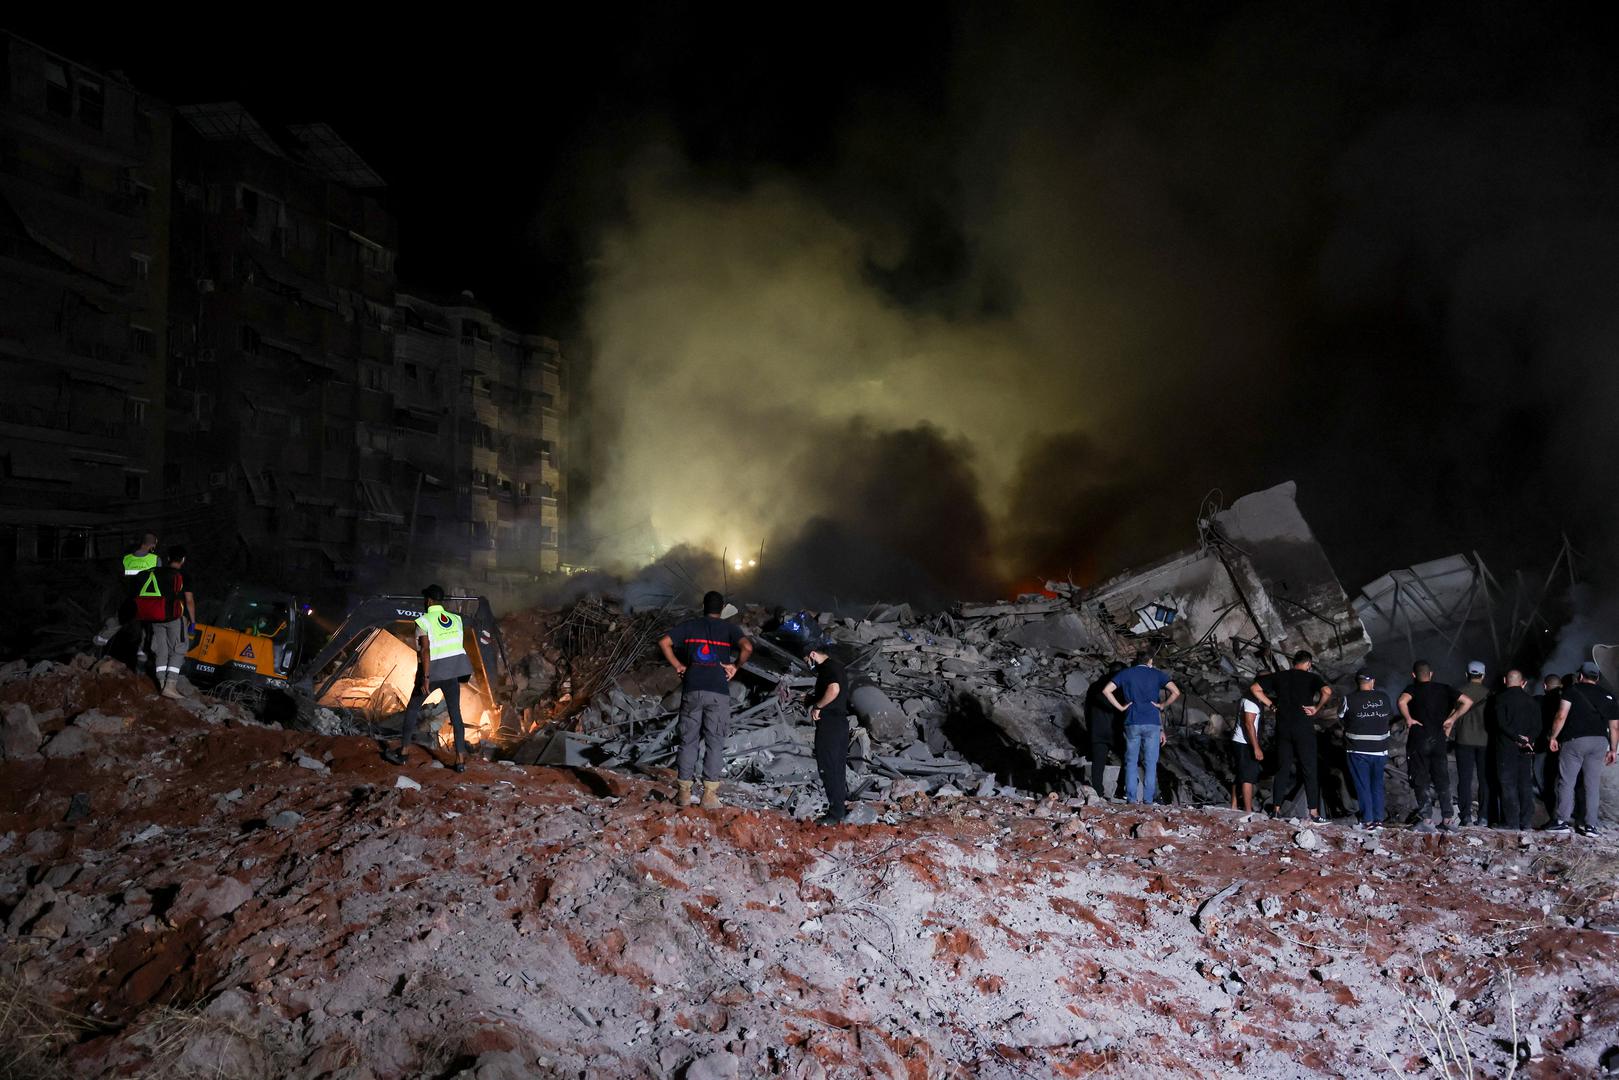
x: 369, y: 663
x: 256, y: 637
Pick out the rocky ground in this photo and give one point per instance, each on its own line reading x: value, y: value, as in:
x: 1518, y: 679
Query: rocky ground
x: 186, y: 893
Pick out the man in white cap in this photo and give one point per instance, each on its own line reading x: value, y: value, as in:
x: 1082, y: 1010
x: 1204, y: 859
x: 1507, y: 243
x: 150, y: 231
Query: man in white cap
x: 1472, y: 737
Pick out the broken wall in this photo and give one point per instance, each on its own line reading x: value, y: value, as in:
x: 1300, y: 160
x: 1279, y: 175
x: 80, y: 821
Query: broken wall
x: 1298, y: 578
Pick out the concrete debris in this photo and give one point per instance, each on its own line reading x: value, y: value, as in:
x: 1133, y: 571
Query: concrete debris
x: 99, y: 723
x: 20, y: 737
x: 405, y: 783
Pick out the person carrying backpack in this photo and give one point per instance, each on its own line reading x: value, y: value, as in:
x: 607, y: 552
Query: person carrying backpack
x: 166, y: 610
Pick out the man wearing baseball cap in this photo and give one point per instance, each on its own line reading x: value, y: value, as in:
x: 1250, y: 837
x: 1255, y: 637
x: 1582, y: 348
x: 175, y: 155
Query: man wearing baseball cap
x: 1472, y: 745
x: 1585, y: 737
x: 1367, y: 715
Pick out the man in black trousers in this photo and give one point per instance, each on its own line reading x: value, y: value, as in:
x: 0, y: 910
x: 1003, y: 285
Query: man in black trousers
x: 1517, y: 721
x: 829, y: 708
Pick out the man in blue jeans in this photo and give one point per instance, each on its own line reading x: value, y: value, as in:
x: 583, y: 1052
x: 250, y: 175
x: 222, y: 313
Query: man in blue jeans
x: 1142, y: 686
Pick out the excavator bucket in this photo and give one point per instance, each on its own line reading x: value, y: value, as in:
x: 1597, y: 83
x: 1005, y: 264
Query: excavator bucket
x: 369, y: 663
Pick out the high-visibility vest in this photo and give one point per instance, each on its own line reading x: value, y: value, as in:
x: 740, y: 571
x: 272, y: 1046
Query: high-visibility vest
x: 135, y: 564
x: 443, y: 633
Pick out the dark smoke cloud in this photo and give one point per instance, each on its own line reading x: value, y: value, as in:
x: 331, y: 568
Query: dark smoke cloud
x: 1117, y: 262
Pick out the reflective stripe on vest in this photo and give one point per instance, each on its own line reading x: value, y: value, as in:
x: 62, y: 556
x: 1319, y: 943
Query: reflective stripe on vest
x: 135, y: 564
x: 443, y: 633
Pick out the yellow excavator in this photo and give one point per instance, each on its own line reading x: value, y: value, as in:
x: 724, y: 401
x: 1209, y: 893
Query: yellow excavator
x: 265, y: 640
x: 257, y: 637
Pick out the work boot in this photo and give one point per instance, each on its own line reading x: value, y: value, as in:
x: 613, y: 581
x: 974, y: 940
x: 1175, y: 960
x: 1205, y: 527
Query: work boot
x: 394, y: 757
x: 683, y: 797
x: 711, y: 795
x: 171, y: 691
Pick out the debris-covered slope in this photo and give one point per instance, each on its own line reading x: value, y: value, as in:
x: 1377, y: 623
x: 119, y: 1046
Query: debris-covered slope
x: 186, y: 897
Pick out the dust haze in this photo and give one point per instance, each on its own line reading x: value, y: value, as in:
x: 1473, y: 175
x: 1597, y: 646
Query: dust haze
x: 1020, y: 331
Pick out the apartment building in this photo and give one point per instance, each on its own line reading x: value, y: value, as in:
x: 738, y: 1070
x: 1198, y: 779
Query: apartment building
x: 279, y: 409
x: 480, y: 411
x: 84, y: 270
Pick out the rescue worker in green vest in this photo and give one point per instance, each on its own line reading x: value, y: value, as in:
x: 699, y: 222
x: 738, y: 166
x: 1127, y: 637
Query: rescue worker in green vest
x: 167, y: 610
x: 123, y: 624
x: 442, y: 664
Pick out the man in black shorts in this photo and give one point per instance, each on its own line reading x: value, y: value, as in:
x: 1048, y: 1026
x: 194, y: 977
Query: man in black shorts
x: 1246, y: 755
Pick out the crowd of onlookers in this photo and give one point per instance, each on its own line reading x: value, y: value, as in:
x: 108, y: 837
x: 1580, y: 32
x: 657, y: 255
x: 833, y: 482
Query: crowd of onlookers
x: 1513, y: 749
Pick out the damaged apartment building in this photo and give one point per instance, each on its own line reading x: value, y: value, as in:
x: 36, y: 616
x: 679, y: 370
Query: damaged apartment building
x: 204, y: 328
x: 84, y: 249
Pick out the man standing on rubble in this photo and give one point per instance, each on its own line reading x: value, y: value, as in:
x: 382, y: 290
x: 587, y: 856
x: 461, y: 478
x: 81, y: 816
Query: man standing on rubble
x: 829, y: 708
x: 1585, y: 737
x: 707, y: 653
x: 1246, y: 756
x: 442, y: 664
x: 1367, y: 715
x: 1472, y: 745
x: 167, y: 610
x: 1425, y: 706
x: 1143, y: 686
x: 1296, y: 694
x: 135, y: 564
x: 1550, y: 700
x: 1101, y: 724
x: 1517, y: 719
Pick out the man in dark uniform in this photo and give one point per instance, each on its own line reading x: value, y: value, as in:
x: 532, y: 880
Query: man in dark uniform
x: 1296, y: 694
x: 829, y: 708
x: 1426, y: 707
x: 707, y: 653
x: 1517, y: 721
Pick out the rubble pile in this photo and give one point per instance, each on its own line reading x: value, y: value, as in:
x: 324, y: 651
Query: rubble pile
x: 983, y: 699
x: 187, y: 894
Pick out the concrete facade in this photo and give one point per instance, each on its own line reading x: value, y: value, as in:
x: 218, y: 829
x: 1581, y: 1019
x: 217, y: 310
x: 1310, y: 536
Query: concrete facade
x: 84, y: 337
x: 280, y: 413
x: 481, y: 408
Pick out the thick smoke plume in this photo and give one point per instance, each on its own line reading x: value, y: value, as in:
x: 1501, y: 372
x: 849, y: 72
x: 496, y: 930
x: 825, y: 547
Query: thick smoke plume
x: 1021, y: 331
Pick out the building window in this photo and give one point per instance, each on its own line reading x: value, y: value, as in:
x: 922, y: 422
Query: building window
x: 142, y: 342
x: 135, y: 411
x: 132, y: 485
x: 92, y: 103
x: 58, y: 94
x: 409, y: 371
x: 140, y: 266
x: 336, y: 437
x: 250, y: 340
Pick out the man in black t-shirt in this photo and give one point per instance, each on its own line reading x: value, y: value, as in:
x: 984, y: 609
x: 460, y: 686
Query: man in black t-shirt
x: 829, y: 708
x: 1296, y: 694
x: 1426, y: 707
x: 1585, y: 737
x: 1102, y: 724
x: 707, y: 653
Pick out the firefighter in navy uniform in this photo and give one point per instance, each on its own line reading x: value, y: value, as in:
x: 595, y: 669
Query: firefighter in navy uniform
x: 442, y: 664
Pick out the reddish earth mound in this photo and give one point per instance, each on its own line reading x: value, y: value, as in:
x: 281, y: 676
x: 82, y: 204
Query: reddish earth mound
x: 185, y: 897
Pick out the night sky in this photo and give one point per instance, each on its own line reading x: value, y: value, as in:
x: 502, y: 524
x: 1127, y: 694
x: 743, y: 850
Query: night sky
x: 1373, y: 249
